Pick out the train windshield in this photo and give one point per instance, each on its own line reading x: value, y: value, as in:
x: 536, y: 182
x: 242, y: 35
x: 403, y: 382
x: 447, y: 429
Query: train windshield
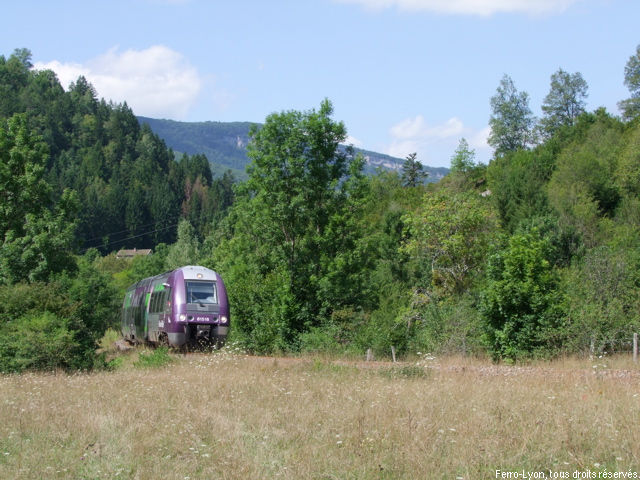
x: 201, y: 292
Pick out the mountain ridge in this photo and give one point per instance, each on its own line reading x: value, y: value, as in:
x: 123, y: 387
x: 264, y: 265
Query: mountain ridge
x: 225, y: 146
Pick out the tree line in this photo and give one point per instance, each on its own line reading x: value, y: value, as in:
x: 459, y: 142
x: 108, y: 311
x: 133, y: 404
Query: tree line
x: 534, y: 255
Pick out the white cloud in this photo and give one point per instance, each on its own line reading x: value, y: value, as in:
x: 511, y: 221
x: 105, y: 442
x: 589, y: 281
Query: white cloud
x: 479, y: 139
x: 352, y: 141
x: 470, y: 7
x: 435, y: 144
x: 155, y: 82
x: 418, y: 128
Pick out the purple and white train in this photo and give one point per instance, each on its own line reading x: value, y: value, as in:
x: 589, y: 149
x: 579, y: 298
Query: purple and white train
x: 185, y: 306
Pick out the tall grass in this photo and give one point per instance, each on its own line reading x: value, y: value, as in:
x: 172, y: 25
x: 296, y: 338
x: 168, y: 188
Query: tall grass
x: 208, y: 416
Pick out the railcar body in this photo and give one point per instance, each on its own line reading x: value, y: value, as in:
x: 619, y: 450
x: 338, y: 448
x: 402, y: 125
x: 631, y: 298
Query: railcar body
x: 183, y: 306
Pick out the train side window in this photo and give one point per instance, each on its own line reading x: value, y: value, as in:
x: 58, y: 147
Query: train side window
x: 156, y: 302
x: 166, y: 300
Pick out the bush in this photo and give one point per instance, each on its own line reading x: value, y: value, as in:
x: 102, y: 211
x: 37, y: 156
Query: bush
x: 22, y: 298
x: 603, y: 301
x: 70, y: 313
x: 522, y: 306
x: 38, y: 341
x: 450, y: 326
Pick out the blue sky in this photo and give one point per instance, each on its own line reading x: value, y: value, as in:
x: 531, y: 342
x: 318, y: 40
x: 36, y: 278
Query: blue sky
x: 404, y: 75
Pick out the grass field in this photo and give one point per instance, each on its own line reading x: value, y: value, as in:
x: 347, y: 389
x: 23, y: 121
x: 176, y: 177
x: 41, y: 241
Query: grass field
x: 230, y: 416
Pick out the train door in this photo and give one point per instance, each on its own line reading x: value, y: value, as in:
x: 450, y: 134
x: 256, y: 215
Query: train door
x: 127, y: 324
x: 157, y: 317
x: 147, y: 298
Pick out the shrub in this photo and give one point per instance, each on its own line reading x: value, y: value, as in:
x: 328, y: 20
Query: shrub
x: 38, y: 341
x: 449, y: 326
x: 522, y: 304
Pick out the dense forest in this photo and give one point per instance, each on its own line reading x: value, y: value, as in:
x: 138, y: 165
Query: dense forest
x: 536, y: 254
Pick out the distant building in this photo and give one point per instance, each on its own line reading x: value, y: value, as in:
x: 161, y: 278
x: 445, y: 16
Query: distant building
x: 133, y: 253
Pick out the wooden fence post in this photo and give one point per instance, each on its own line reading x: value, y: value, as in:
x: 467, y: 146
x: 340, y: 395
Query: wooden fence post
x: 369, y: 355
x: 393, y: 353
x: 635, y: 347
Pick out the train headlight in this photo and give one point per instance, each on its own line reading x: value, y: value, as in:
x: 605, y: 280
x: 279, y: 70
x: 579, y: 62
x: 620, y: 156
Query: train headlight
x: 182, y: 317
x: 223, y: 320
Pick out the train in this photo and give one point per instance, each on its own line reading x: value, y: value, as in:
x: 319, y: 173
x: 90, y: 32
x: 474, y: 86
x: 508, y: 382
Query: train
x: 186, y: 306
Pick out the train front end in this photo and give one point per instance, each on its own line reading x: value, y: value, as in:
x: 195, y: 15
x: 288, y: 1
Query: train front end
x: 200, y: 307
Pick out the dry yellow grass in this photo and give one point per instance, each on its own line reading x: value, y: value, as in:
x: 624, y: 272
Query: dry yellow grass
x: 236, y: 417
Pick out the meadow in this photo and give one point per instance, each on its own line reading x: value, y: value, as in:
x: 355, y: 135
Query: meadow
x: 231, y: 416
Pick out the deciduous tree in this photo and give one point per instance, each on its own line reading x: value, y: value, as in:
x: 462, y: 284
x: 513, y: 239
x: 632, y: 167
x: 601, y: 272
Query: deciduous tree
x: 511, y: 119
x: 36, y: 238
x: 631, y: 106
x: 463, y: 158
x: 564, y: 102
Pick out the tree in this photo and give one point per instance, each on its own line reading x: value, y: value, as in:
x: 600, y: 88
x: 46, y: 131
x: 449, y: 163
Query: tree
x: 186, y: 249
x: 451, y: 235
x: 511, y: 120
x: 288, y: 225
x: 295, y: 173
x: 631, y: 106
x: 412, y: 171
x: 522, y: 302
x: 564, y: 102
x: 37, y: 239
x: 463, y: 158
x: 583, y: 188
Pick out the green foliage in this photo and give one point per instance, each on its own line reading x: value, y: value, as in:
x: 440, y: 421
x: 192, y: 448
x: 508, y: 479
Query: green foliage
x: 583, y: 189
x: 386, y: 327
x: 22, y: 298
x: 38, y: 341
x: 452, y: 326
x: 154, y: 359
x: 604, y: 303
x: 96, y: 298
x: 289, y: 226
x: 564, y: 102
x: 631, y: 106
x: 323, y: 339
x: 129, y: 189
x: 74, y: 311
x: 517, y: 184
x: 451, y: 233
x: 262, y: 307
x: 522, y: 300
x: 186, y: 249
x: 511, y: 119
x: 413, y: 173
x: 627, y: 175
x: 463, y: 158
x: 37, y: 240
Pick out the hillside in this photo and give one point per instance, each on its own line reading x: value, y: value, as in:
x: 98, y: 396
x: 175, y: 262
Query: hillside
x: 225, y: 145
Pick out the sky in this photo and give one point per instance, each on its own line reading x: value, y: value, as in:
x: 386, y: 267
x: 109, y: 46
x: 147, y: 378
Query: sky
x: 403, y: 75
